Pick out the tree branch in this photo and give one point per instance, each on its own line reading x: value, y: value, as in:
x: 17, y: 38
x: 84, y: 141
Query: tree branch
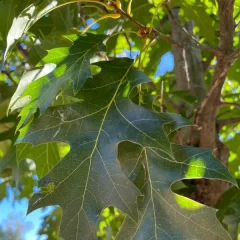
x: 229, y: 104
x: 225, y: 122
x: 22, y: 51
x: 236, y: 53
x: 5, y: 72
x: 156, y: 34
x: 207, y: 63
x: 129, y: 44
x: 225, y: 12
x: 179, y: 25
x: 208, y: 110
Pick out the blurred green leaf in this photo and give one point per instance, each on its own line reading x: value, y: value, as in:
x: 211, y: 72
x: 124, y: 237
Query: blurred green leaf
x: 229, y: 211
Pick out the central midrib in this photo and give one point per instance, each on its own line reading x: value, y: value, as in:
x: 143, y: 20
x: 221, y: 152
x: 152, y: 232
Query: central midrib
x: 100, y: 130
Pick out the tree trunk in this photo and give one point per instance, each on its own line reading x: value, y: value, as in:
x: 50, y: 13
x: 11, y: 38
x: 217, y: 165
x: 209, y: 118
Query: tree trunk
x: 189, y: 75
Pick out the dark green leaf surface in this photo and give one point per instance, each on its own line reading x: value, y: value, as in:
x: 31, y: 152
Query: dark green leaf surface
x: 7, y: 10
x: 89, y: 178
x: 164, y: 214
x: 40, y: 50
x: 21, y: 21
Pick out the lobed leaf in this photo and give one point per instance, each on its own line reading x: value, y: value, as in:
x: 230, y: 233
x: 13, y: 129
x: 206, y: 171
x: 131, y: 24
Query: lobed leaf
x: 164, y: 214
x: 89, y: 178
x: 71, y: 63
x: 19, y: 22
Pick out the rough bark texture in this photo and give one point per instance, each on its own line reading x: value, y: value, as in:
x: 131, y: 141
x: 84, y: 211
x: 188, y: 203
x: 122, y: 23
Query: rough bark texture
x: 188, y: 62
x: 189, y: 74
x: 207, y: 113
x: 188, y: 69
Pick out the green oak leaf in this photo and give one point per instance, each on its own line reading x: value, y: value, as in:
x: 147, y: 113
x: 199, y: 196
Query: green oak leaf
x: 46, y: 156
x: 229, y: 211
x: 7, y: 9
x: 72, y: 63
x: 29, y: 11
x: 162, y: 213
x: 39, y: 50
x: 21, y: 21
x: 89, y: 178
x: 17, y: 101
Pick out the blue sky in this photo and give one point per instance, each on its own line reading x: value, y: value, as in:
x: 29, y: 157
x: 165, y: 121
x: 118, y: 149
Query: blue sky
x: 166, y: 64
x: 19, y: 208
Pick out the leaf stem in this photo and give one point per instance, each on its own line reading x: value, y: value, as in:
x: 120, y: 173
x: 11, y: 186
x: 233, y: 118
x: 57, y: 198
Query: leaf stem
x: 113, y: 15
x: 159, y: 5
x: 121, y: 32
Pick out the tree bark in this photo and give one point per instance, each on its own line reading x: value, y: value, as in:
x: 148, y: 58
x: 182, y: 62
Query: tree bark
x: 188, y: 69
x: 189, y: 75
x: 189, y: 72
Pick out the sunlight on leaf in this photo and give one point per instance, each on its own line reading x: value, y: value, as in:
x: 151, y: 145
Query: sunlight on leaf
x: 197, y: 168
x: 186, y: 203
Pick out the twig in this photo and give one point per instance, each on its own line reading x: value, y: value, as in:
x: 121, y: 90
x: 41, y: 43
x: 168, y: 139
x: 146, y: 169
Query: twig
x: 236, y: 24
x: 161, y: 96
x: 237, y: 15
x: 124, y: 14
x: 22, y: 51
x: 225, y: 122
x: 5, y: 72
x: 235, y: 54
x: 207, y: 63
x: 155, y: 33
x: 229, y: 104
x: 103, y: 55
x: 129, y: 44
x: 162, y: 22
x: 179, y: 25
x: 186, y: 68
x: 171, y: 103
x: 81, y: 14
